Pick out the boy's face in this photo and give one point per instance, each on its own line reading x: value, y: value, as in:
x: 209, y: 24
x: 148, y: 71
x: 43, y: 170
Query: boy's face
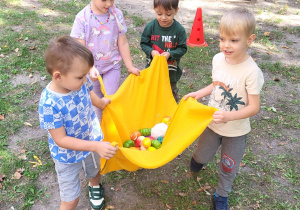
x: 164, y: 17
x: 234, y: 47
x: 75, y: 78
x: 100, y: 7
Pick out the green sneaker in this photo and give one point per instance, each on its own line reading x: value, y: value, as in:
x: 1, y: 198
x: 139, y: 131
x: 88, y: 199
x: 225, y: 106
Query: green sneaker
x: 96, y: 194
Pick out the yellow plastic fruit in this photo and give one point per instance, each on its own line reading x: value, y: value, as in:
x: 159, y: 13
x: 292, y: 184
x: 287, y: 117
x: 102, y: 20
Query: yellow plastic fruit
x: 166, y: 120
x: 114, y: 143
x: 151, y: 149
x: 147, y: 142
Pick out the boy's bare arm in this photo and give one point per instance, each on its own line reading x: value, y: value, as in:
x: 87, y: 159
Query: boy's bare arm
x: 250, y: 110
x: 125, y: 53
x: 104, y: 149
x: 99, y: 102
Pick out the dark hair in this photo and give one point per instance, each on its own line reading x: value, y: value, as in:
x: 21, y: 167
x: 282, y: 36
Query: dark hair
x: 61, y: 52
x: 166, y: 4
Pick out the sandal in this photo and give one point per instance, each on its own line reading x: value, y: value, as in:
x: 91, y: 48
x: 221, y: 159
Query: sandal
x: 96, y: 195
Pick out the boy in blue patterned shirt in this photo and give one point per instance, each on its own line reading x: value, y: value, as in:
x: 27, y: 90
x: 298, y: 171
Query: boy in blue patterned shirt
x: 74, y: 133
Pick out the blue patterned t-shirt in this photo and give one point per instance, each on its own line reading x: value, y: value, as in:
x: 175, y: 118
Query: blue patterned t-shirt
x: 73, y: 111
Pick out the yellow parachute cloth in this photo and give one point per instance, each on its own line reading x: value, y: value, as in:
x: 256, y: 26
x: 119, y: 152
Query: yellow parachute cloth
x: 141, y: 102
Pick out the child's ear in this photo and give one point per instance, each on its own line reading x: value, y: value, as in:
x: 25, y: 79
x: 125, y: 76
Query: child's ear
x: 56, y: 75
x: 251, y: 39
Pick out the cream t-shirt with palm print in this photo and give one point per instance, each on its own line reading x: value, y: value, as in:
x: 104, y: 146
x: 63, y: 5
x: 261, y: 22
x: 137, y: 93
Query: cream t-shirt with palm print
x: 232, y: 85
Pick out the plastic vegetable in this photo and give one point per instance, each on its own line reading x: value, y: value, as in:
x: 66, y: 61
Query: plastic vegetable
x: 156, y: 144
x: 128, y: 143
x: 145, y: 131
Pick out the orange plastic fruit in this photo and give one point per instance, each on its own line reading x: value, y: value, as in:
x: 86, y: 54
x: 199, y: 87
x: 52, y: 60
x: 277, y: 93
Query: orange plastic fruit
x: 135, y: 135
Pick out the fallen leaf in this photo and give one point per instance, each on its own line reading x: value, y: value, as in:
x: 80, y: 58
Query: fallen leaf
x: 43, y: 78
x: 281, y: 143
x: 1, y: 56
x: 17, y: 50
x: 109, y: 207
x: 32, y: 48
x: 269, y: 146
x: 194, y: 202
x: 28, y: 124
x: 267, y: 33
x: 182, y: 194
x: 164, y: 181
x: 242, y: 164
x: 34, y: 82
x: 206, y: 187
x: 269, y: 53
x: 20, y: 38
x: 286, y: 47
x: 118, y: 189
x: 30, y: 76
x: 22, y: 157
x: 169, y: 207
x: 2, y: 117
x: 276, y: 79
x: 293, y: 78
x: 17, y: 175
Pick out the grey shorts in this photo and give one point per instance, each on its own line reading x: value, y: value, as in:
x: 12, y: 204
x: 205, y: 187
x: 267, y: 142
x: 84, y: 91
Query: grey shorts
x: 68, y: 175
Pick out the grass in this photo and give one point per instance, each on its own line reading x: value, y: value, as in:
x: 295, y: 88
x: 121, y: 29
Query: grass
x: 269, y: 178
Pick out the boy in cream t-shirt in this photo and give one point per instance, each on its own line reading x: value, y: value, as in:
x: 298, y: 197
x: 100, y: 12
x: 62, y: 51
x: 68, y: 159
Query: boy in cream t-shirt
x: 234, y: 91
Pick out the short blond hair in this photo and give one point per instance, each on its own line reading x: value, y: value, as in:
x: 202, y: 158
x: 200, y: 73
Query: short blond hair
x: 237, y: 20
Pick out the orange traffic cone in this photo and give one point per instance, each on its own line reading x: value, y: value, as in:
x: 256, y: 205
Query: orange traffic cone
x: 197, y: 35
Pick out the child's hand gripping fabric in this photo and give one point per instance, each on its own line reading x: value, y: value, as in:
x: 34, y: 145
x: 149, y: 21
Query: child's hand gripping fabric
x: 105, y: 149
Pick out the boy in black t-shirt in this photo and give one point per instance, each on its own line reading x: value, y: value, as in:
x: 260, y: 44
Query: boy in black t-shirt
x: 165, y: 36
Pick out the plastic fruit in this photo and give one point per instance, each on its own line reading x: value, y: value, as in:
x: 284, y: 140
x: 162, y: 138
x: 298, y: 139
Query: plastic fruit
x: 139, y: 141
x: 147, y: 142
x: 151, y: 149
x: 114, y: 143
x: 128, y: 143
x: 143, y: 148
x: 145, y: 131
x: 135, y: 135
x: 156, y: 144
x: 166, y: 120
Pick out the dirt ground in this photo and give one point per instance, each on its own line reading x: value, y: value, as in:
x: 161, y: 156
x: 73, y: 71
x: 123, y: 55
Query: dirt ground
x: 185, y: 16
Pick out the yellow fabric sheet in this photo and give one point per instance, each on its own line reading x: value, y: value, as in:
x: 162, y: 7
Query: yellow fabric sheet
x: 141, y: 102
